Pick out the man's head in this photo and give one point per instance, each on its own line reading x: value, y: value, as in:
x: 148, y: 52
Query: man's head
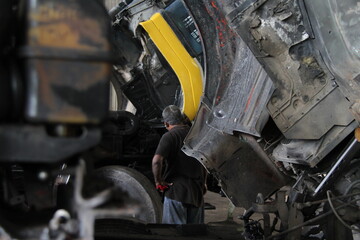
x: 172, y: 115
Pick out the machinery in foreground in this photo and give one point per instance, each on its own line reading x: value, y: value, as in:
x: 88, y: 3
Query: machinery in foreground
x: 270, y: 85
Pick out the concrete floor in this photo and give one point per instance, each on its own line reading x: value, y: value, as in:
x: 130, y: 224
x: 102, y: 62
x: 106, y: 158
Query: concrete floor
x: 219, y: 225
x: 224, y: 217
x: 223, y: 209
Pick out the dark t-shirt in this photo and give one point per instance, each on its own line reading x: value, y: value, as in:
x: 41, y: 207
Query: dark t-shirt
x: 186, y: 173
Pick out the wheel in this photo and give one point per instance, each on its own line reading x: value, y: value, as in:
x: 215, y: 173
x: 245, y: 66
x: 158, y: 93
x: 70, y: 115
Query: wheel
x: 138, y: 188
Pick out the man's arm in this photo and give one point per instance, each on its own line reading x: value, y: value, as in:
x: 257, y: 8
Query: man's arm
x: 157, y: 164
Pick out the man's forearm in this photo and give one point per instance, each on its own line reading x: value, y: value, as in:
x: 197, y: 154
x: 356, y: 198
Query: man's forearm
x: 157, y: 168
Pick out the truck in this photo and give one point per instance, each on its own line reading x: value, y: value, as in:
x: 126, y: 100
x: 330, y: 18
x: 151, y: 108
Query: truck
x: 270, y: 86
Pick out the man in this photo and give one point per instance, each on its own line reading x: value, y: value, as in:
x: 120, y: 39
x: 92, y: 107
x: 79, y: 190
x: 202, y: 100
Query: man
x: 184, y: 177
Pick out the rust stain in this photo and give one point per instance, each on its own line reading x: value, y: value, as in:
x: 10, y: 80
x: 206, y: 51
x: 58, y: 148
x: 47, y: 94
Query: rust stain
x: 222, y: 24
x: 57, y: 35
x: 46, y: 14
x: 66, y: 28
x: 223, y: 21
x: 91, y: 29
x: 210, y: 13
x: 221, y: 39
x: 213, y: 4
x: 218, y: 98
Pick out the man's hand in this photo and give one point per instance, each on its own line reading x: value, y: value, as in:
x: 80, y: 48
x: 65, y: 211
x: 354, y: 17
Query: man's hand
x: 157, y: 163
x: 163, y: 186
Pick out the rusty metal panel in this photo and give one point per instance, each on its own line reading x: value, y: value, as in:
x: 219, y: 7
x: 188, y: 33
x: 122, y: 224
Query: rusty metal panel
x: 242, y: 105
x: 67, y: 56
x: 239, y: 163
x: 237, y: 88
x: 280, y: 36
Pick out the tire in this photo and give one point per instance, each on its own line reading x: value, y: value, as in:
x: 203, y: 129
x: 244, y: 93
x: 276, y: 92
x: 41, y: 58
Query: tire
x: 138, y: 188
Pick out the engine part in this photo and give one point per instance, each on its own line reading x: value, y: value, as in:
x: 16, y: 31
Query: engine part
x: 311, y: 152
x: 347, y: 155
x: 296, y: 151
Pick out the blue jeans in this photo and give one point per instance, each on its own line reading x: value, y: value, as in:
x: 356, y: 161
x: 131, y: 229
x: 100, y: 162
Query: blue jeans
x: 175, y: 212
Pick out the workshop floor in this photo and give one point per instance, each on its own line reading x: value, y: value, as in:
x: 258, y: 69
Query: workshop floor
x: 223, y: 220
x: 219, y: 225
x: 223, y: 209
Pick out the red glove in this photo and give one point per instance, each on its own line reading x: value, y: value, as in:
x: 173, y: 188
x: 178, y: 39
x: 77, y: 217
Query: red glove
x: 162, y: 188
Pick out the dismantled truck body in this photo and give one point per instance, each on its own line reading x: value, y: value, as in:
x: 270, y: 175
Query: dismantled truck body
x: 271, y: 88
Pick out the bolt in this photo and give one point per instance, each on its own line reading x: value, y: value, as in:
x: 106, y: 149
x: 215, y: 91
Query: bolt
x: 220, y: 114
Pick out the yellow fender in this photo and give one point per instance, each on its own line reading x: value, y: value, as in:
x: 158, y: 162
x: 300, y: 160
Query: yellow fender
x: 185, y: 67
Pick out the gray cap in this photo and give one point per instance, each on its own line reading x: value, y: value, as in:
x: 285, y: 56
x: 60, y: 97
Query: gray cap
x: 172, y: 115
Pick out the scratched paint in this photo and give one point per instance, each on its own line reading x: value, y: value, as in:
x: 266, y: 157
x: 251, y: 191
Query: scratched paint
x: 249, y: 98
x: 222, y: 26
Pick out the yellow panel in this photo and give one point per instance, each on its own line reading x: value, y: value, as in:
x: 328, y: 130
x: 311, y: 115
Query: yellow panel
x: 184, y: 66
